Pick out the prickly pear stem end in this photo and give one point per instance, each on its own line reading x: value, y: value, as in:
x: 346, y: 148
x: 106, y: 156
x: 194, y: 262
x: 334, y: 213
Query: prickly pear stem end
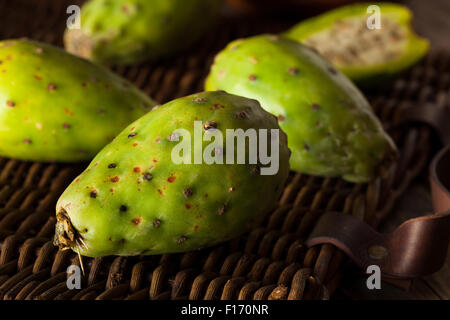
x: 66, y: 236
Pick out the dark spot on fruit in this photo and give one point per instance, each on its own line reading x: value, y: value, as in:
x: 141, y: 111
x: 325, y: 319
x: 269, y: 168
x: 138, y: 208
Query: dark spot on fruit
x: 231, y: 189
x: 242, y: 115
x: 188, y: 192
x: 195, y: 228
x: 156, y: 223
x: 293, y: 71
x: 256, y: 170
x: 66, y: 126
x: 122, y: 241
x: 160, y: 192
x: 110, y: 239
x: 315, y: 106
x: 131, y: 135
x: 112, y: 165
x: 206, y: 195
x: 84, y: 230
x: 93, y: 194
x: 115, y: 179
x: 101, y: 111
x: 10, y: 103
x: 68, y: 111
x: 27, y: 141
x: 37, y: 77
x: 306, y: 146
x: 182, y: 239
x: 332, y: 70
x: 318, y: 123
x: 136, y: 221
x: 123, y: 208
x: 147, y: 176
x: 135, y: 144
x: 281, y: 117
x: 137, y: 169
x: 171, y: 179
x: 51, y: 87
x: 125, y: 8
x: 222, y: 209
x: 188, y: 206
x: 111, y: 190
x: 84, y: 84
x: 158, y: 139
x: 252, y: 77
x: 209, y: 125
x: 217, y: 106
x: 199, y: 100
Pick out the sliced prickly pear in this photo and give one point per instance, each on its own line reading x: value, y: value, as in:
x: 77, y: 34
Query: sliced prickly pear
x: 130, y: 31
x: 57, y: 107
x: 351, y: 40
x: 331, y: 127
x: 135, y: 198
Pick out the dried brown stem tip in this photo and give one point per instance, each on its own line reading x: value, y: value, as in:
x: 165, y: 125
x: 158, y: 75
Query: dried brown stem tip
x: 66, y: 236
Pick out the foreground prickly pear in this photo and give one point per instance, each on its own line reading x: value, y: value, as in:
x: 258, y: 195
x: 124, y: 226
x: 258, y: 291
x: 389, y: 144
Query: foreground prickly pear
x: 130, y: 31
x: 58, y: 107
x: 135, y: 198
x: 331, y: 128
x: 364, y: 55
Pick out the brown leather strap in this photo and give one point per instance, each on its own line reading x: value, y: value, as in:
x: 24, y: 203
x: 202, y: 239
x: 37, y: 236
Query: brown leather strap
x: 418, y: 246
x: 440, y: 180
x: 438, y: 117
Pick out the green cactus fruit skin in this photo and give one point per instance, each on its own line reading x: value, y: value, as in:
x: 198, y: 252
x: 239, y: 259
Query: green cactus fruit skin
x: 57, y: 107
x: 331, y: 128
x: 400, y: 46
x: 132, y: 199
x: 131, y: 31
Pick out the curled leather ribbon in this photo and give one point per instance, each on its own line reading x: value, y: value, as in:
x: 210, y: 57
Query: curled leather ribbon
x: 418, y: 246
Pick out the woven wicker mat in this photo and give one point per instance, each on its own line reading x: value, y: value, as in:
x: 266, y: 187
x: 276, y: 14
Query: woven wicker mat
x: 271, y: 262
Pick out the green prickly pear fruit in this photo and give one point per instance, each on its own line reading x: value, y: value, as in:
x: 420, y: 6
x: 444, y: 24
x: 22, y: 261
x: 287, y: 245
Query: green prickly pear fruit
x: 131, y: 31
x: 134, y: 198
x: 349, y: 38
x: 331, y: 127
x: 58, y: 107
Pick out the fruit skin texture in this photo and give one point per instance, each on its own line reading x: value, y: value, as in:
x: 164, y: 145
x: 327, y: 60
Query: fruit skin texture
x: 415, y: 47
x: 130, y: 31
x: 132, y: 199
x: 57, y: 107
x: 331, y: 128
